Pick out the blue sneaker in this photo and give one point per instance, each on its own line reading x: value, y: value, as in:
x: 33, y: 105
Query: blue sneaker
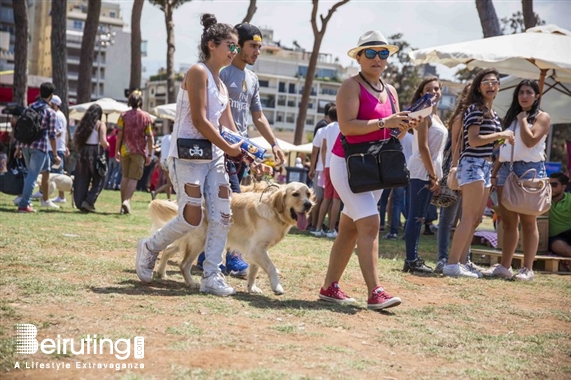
x: 235, y: 266
x: 200, y: 260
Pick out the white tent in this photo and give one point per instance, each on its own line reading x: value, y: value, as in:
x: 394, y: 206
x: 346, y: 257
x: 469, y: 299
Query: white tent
x: 304, y: 148
x: 286, y: 147
x: 166, y: 111
x: 112, y: 109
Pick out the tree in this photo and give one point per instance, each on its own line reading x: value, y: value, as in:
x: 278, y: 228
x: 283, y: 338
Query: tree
x: 318, y: 38
x: 251, y: 10
x: 401, y: 72
x: 135, y: 79
x: 168, y: 7
x: 84, y: 85
x: 517, y: 23
x: 488, y: 18
x: 20, y: 85
x: 59, y: 60
x: 530, y: 19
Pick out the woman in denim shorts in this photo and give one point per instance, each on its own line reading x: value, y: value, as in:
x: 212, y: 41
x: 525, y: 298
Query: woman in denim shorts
x: 481, y: 129
x: 530, y: 127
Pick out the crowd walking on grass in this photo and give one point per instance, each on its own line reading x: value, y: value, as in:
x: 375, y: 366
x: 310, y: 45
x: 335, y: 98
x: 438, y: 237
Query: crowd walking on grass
x: 454, y: 165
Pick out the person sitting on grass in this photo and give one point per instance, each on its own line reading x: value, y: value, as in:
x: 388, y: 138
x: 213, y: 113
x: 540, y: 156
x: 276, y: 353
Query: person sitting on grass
x: 560, y: 216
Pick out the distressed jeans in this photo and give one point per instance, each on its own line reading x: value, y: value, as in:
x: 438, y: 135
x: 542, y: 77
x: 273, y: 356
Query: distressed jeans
x: 419, y: 197
x: 210, y: 176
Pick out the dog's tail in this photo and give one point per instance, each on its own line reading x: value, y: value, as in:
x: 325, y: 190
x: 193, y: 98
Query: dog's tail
x: 162, y: 212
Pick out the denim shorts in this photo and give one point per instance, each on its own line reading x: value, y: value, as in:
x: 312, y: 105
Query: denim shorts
x: 472, y: 169
x: 520, y: 167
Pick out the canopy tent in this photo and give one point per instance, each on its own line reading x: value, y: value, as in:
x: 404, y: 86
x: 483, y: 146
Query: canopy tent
x: 112, y: 109
x: 286, y: 147
x: 165, y: 111
x: 540, y: 52
x: 304, y: 148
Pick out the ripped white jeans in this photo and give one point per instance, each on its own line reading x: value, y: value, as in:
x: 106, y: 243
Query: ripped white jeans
x: 212, y: 179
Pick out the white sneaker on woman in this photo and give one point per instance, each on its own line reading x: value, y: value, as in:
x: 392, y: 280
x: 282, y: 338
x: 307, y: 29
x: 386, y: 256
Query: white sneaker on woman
x: 216, y: 284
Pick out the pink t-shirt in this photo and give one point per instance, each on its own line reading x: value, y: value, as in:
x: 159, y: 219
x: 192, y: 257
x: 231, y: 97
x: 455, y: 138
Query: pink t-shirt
x: 369, y: 108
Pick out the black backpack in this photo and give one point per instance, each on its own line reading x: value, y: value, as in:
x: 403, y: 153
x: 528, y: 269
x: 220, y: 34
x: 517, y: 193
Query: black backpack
x: 29, y: 125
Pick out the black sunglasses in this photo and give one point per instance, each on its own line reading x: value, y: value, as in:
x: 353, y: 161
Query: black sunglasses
x: 370, y: 53
x: 554, y: 184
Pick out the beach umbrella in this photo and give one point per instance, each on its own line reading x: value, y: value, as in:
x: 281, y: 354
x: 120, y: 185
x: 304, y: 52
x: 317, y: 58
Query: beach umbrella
x: 112, y: 109
x: 539, y: 52
x: 165, y: 111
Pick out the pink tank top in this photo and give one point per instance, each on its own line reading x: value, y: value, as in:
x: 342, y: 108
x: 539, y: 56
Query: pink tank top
x: 369, y: 108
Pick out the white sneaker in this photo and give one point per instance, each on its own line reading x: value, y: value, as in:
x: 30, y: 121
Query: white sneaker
x: 59, y: 200
x: 474, y: 269
x: 49, y: 204
x: 145, y: 262
x: 498, y: 270
x: 332, y: 234
x: 524, y: 274
x: 216, y: 284
x: 37, y: 195
x: 126, y: 207
x: 318, y: 233
x: 17, y: 201
x: 457, y: 270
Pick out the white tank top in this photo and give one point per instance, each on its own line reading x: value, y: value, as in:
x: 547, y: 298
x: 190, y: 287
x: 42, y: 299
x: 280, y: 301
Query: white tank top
x: 93, y: 138
x: 437, y: 136
x: 521, y: 152
x: 216, y: 103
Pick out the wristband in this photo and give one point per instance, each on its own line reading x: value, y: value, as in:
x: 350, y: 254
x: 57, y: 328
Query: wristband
x: 275, y: 144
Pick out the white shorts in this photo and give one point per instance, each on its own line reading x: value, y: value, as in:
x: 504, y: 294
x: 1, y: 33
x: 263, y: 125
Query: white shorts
x: 355, y: 206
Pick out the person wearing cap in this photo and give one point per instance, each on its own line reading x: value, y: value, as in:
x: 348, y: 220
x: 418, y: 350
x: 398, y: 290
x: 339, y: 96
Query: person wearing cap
x: 365, y: 105
x: 61, y: 147
x: 244, y: 96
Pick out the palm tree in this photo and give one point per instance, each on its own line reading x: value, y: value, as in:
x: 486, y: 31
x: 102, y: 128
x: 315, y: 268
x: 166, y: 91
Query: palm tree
x: 251, y: 10
x: 135, y: 80
x: 318, y: 34
x: 20, y: 86
x: 87, y: 48
x: 168, y: 7
x: 59, y: 60
x: 488, y: 18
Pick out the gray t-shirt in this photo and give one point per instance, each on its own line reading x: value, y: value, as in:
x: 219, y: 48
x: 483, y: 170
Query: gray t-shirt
x: 244, y: 94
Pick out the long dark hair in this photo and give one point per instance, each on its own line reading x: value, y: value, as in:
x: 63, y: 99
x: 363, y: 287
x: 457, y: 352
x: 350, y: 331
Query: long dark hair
x: 213, y: 31
x: 515, y: 108
x: 425, y: 81
x: 475, y: 96
x: 461, y: 105
x: 86, y: 125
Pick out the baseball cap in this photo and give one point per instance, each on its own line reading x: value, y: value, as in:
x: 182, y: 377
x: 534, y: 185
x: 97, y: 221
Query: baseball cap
x: 56, y: 100
x: 248, y: 32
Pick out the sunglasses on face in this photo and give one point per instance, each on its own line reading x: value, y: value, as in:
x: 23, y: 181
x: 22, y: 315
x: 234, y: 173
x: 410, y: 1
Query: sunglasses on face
x: 554, y: 184
x: 233, y: 48
x: 492, y: 83
x: 370, y: 53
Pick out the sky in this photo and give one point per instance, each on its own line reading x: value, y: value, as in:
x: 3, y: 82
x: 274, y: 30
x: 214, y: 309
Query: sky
x: 422, y: 23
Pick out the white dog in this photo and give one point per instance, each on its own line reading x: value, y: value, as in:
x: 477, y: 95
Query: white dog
x: 59, y: 182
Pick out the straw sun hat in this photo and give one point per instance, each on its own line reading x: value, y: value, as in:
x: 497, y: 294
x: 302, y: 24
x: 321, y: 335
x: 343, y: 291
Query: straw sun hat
x: 372, y: 39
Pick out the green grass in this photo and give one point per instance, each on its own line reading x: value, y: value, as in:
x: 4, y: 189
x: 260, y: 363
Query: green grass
x: 73, y: 274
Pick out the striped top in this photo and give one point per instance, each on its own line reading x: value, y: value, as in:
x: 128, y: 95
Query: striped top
x: 475, y: 116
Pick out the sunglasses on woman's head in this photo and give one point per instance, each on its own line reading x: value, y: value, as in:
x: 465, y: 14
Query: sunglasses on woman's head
x: 370, y: 53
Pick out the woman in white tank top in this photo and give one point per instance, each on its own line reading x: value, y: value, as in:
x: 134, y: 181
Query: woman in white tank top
x: 425, y: 166
x: 530, y: 126
x: 200, y: 176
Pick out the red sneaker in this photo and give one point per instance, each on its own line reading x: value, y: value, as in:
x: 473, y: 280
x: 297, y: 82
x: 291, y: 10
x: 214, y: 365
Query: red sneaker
x: 382, y: 300
x: 334, y: 294
x: 26, y: 209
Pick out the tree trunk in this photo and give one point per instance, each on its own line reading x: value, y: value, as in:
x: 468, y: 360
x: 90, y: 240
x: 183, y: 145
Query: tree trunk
x: 529, y: 19
x: 135, y: 80
x: 84, y: 85
x: 251, y: 10
x: 488, y: 18
x: 20, y: 85
x: 59, y: 60
x: 168, y: 9
x: 318, y: 37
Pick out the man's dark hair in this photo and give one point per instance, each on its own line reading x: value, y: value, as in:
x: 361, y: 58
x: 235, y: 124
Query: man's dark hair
x: 326, y: 108
x: 332, y: 113
x: 561, y: 177
x: 47, y: 89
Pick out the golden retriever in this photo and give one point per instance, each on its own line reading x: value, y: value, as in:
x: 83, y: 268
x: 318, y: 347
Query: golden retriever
x: 59, y: 182
x: 260, y: 220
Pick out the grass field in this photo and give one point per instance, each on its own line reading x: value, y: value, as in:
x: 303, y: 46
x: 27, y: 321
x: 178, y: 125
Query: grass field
x: 73, y: 274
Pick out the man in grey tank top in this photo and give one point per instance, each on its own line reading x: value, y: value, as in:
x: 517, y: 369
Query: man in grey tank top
x: 244, y: 95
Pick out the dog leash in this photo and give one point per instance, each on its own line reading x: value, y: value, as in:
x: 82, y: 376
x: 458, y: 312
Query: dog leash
x: 270, y: 184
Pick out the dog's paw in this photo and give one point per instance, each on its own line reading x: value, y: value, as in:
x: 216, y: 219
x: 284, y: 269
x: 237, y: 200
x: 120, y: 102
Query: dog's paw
x: 279, y: 290
x: 254, y: 289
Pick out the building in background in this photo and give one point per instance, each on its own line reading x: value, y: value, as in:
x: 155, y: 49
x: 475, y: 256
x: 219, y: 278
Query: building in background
x: 7, y: 35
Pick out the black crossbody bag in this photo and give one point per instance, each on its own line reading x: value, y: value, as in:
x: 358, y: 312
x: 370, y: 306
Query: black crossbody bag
x: 377, y: 164
x: 194, y: 149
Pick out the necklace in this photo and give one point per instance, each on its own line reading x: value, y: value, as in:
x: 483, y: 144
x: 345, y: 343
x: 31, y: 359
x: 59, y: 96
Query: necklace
x: 373, y: 87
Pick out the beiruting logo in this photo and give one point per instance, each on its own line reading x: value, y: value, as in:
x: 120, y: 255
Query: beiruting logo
x: 27, y: 344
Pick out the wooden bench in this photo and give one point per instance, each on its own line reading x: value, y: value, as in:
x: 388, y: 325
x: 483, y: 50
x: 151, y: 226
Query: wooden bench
x: 495, y: 256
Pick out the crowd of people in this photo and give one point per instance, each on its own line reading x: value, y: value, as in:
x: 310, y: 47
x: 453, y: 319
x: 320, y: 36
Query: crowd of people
x: 220, y: 91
